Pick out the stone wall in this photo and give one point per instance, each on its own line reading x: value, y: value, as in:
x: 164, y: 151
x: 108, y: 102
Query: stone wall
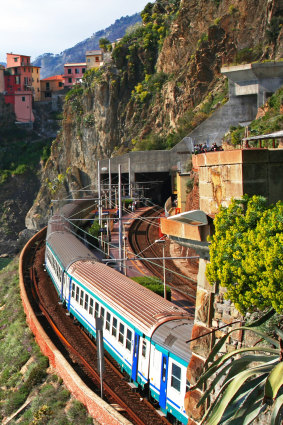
x: 222, y: 176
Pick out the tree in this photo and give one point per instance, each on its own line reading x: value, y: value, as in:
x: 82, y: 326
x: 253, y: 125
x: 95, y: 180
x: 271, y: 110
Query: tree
x: 246, y: 254
x: 103, y: 43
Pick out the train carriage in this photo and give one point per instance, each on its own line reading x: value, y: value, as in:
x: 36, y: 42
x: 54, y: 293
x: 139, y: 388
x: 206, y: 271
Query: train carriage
x: 143, y: 332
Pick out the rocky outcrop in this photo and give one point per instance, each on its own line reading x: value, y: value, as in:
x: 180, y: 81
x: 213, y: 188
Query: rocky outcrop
x: 102, y: 118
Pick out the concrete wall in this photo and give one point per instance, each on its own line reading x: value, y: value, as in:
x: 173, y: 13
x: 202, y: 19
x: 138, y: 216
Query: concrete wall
x: 231, y: 174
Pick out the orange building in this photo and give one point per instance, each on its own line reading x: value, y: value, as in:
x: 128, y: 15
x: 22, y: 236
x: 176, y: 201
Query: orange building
x: 50, y: 85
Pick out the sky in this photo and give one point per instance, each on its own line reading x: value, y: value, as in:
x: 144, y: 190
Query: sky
x: 34, y: 27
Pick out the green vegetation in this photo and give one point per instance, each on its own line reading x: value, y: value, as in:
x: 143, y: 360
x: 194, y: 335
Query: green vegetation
x: 273, y: 28
x: 246, y: 255
x: 154, y: 284
x: 20, y: 152
x: 23, y: 369
x: 251, y: 380
x: 272, y: 121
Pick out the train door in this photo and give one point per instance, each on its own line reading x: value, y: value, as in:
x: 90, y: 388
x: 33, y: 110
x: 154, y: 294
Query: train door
x: 163, y: 381
x: 70, y: 293
x: 135, y: 357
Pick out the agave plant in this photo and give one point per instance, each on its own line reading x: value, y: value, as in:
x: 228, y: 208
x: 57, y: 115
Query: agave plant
x: 250, y: 379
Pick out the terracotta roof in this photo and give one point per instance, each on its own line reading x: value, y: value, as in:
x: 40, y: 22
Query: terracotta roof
x: 53, y: 77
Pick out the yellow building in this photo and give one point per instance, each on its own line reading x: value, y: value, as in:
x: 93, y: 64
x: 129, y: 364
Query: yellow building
x: 94, y: 59
x: 35, y: 75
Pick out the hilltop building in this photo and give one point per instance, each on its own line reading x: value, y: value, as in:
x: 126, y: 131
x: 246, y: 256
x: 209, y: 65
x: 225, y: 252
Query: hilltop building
x: 50, y: 85
x: 22, y: 86
x: 94, y: 58
x: 73, y: 73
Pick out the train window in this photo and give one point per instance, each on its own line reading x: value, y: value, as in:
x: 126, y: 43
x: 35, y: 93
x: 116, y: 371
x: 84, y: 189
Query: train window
x: 86, y: 302
x: 96, y: 309
x: 114, y: 327
x: 107, y: 323
x: 77, y: 293
x: 187, y: 385
x: 102, y: 313
x: 144, y: 348
x: 121, y: 333
x: 73, y: 290
x: 176, y: 377
x: 129, y: 340
x: 90, y: 306
x: 82, y: 297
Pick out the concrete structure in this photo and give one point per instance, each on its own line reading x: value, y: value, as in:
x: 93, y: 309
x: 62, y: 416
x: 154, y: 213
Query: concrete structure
x: 258, y: 79
x: 156, y: 165
x: 50, y: 85
x: 73, y: 73
x: 35, y: 78
x: 94, y: 58
x: 231, y: 174
x: 249, y: 87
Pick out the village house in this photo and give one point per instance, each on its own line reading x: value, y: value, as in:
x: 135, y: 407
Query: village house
x: 50, y: 85
x: 22, y: 85
x: 73, y: 73
x: 35, y: 81
x: 94, y: 58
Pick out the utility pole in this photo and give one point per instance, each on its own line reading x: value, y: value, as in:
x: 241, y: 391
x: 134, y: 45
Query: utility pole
x: 120, y: 214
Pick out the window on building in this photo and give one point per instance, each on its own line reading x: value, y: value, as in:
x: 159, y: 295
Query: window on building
x: 77, y: 71
x: 16, y: 59
x: 144, y: 348
x: 86, y: 302
x: 88, y: 60
x: 82, y: 297
x: 60, y: 84
x: 96, y: 59
x: 69, y: 71
x: 176, y: 377
x: 47, y: 86
x: 90, y: 306
x: 121, y: 333
x: 83, y: 70
x: 69, y: 80
x: 108, y: 320
x: 114, y: 327
x: 23, y: 98
x: 129, y: 340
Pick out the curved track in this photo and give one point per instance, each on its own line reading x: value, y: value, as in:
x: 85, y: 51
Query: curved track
x: 78, y: 348
x: 142, y: 236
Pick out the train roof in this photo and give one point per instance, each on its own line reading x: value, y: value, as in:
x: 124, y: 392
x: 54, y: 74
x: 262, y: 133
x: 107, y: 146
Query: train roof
x: 173, y: 336
x: 141, y: 307
x: 68, y: 248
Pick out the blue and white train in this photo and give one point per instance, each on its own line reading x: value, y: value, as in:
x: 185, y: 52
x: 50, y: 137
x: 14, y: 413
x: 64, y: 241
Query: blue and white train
x: 144, y: 333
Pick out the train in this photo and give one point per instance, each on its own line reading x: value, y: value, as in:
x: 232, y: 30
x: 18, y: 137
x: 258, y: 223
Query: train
x: 143, y: 332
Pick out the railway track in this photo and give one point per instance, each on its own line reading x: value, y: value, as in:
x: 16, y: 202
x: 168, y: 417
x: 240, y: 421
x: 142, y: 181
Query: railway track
x: 142, y: 236
x: 79, y: 349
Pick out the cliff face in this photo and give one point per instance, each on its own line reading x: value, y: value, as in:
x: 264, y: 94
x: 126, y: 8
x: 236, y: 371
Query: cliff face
x: 150, y: 94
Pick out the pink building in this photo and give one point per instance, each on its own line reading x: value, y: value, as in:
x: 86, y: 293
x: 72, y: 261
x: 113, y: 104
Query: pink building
x: 73, y: 73
x: 18, y: 85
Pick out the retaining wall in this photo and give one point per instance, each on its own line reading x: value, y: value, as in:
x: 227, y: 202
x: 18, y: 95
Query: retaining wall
x: 97, y: 408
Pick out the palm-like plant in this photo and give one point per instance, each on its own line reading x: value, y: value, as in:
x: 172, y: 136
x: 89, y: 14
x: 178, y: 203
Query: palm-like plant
x: 252, y: 381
